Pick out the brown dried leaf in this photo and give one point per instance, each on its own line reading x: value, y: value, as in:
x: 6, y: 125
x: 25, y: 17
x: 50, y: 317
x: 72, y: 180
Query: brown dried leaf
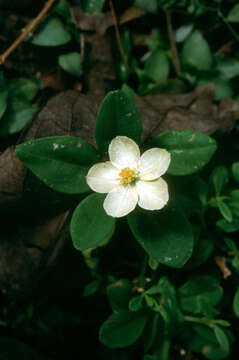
x: 25, y: 252
x: 12, y: 173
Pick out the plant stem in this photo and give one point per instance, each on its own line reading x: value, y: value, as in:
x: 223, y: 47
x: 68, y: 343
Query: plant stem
x: 30, y: 27
x: 165, y: 348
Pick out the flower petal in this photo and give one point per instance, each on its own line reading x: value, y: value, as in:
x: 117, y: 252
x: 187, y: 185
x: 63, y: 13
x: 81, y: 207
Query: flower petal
x: 102, y: 177
x: 153, y: 195
x: 121, y: 201
x: 124, y: 152
x: 154, y: 163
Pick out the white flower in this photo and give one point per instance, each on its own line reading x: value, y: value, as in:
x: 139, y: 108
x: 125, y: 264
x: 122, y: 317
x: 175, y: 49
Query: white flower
x: 130, y: 179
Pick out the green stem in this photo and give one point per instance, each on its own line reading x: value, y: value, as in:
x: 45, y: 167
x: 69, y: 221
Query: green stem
x: 234, y: 33
x: 203, y: 320
x: 165, y: 348
x: 143, y: 271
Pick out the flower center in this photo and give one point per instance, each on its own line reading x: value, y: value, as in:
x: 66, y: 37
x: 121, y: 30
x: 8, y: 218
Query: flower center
x: 127, y: 176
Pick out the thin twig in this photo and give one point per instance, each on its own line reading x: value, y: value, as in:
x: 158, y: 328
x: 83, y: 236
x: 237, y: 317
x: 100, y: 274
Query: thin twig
x: 118, y: 35
x: 176, y: 61
x: 30, y: 27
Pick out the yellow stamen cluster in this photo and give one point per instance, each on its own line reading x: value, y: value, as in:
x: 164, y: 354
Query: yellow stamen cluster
x: 127, y: 176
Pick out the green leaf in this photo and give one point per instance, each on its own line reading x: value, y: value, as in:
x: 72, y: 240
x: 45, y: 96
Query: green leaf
x: 169, y: 303
x: 129, y: 91
x: 3, y: 95
x: 235, y: 171
x: 51, y: 32
x: 233, y: 203
x: 148, y: 6
x: 62, y: 8
x: 233, y: 15
x: 71, y: 63
x: 18, y: 114
x: 236, y: 303
x: 93, y: 6
x: 225, y: 211
x: 231, y: 244
x: 190, y: 150
x: 228, y: 227
x: 165, y: 235
x: 136, y: 303
x: 201, y: 338
x: 119, y: 294
x: 221, y: 337
x: 157, y: 66
x: 117, y: 115
x: 90, y: 225
x: 91, y: 288
x: 228, y: 67
x: 200, y: 294
x: 183, y: 32
x: 201, y: 252
x: 196, y: 52
x: 223, y: 87
x: 23, y: 87
x: 122, y: 329
x: 201, y: 188
x: 61, y: 162
x: 219, y: 178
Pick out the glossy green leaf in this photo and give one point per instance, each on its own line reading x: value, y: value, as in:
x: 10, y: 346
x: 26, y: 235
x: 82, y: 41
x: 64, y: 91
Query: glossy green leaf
x: 166, y: 235
x: 62, y: 8
x: 221, y: 337
x: 129, y: 91
x: 196, y: 52
x: 157, y: 66
x: 3, y: 95
x: 235, y: 171
x: 201, y: 252
x: 148, y: 6
x: 51, y: 32
x: 190, y: 150
x: 61, y: 162
x: 136, y: 303
x: 233, y: 203
x: 18, y: 114
x: 227, y: 226
x: 236, y: 303
x: 122, y: 329
x: 90, y: 225
x: 183, y: 32
x: 225, y: 211
x: 23, y: 87
x: 71, y: 63
x: 200, y: 294
x: 117, y: 115
x: 228, y: 67
x: 219, y: 178
x: 231, y: 244
x: 93, y: 6
x: 233, y: 15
